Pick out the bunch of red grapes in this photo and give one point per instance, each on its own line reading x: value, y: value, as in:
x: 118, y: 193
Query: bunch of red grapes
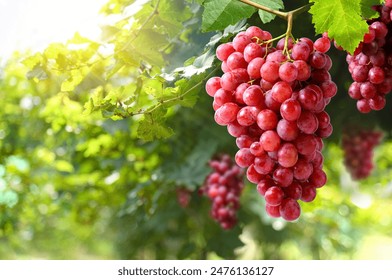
x: 224, y: 187
x: 183, y: 197
x: 273, y: 99
x: 358, y: 148
x: 371, y: 64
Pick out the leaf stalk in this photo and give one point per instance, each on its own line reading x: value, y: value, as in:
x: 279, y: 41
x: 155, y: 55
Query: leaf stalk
x: 283, y: 15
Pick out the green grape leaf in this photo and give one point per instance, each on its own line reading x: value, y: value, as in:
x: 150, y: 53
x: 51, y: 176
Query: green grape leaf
x: 119, y: 94
x: 224, y: 243
x: 228, y: 32
x: 148, y: 46
x: 33, y: 61
x: 109, y: 32
x: 273, y: 4
x: 94, y: 102
x: 172, y: 14
x: 342, y: 19
x: 79, y: 39
x: 366, y: 8
x: 89, y: 107
x: 204, y: 61
x: 38, y: 73
x: 192, y: 170
x: 108, y: 112
x: 75, y: 79
x: 234, y: 28
x: 153, y: 126
x: 186, y: 250
x: 54, y: 50
x: 188, y: 90
x: 200, y: 65
x: 124, y: 58
x: 118, y: 65
x: 218, y: 14
x: 153, y: 87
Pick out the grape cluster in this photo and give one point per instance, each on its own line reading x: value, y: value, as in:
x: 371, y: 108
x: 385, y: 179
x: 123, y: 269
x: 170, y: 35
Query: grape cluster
x: 224, y: 187
x: 183, y: 197
x: 272, y: 99
x: 371, y: 64
x: 358, y: 148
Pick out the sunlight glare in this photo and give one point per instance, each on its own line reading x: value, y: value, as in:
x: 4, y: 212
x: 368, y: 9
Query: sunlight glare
x: 33, y: 24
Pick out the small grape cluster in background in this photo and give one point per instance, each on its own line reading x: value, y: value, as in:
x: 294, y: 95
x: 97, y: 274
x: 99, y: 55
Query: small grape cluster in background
x: 358, y: 146
x: 224, y: 186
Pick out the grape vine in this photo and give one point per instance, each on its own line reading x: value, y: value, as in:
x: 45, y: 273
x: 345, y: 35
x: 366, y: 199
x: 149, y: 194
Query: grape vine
x: 272, y: 93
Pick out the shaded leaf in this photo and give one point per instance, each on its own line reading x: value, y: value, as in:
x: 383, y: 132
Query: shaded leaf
x: 218, y: 14
x: 194, y: 169
x: 38, y: 72
x: 172, y: 14
x: 366, y: 8
x: 273, y: 4
x: 199, y: 65
x: 228, y: 31
x: 224, y: 243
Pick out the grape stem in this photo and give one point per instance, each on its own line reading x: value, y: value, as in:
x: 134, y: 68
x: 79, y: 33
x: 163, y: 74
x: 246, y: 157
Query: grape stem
x: 288, y: 16
x: 288, y: 33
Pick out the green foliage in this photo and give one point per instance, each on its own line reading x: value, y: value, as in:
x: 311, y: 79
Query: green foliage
x: 219, y: 14
x: 366, y: 8
x: 140, y: 54
x: 341, y: 19
x: 145, y: 78
x: 152, y: 126
x: 190, y: 173
x: 273, y: 4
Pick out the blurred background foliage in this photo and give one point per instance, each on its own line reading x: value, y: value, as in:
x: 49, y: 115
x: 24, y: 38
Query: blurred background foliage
x: 78, y: 180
